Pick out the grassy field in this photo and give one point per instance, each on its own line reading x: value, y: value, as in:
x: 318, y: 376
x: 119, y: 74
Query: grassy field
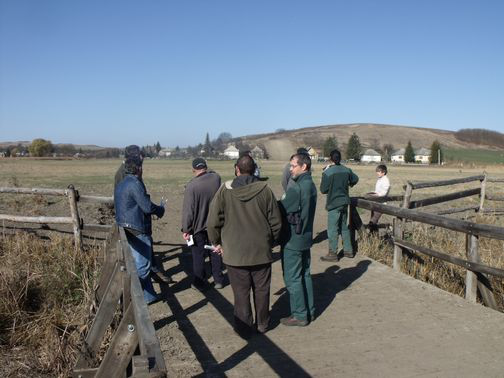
x: 168, y: 178
x: 468, y: 156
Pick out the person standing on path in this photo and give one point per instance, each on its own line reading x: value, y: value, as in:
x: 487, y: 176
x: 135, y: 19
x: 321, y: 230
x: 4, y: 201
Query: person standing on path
x: 197, y: 197
x: 133, y: 151
x: 133, y: 212
x: 299, y: 205
x: 336, y: 181
x: 243, y: 223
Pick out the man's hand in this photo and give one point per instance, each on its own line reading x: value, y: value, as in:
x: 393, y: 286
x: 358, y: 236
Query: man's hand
x: 186, y: 235
x: 218, y: 250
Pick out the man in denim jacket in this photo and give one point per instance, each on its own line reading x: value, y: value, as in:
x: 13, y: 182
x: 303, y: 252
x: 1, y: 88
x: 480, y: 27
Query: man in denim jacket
x: 133, y: 212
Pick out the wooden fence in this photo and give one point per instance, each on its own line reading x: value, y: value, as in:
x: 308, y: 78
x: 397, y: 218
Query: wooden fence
x: 133, y: 349
x: 74, y: 219
x: 477, y: 273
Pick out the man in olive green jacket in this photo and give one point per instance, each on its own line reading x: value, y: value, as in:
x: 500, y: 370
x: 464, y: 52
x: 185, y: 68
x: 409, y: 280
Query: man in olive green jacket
x: 243, y: 223
x: 336, y: 180
x: 299, y: 203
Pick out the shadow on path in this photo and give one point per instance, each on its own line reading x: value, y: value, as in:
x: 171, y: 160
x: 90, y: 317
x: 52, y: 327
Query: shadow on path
x: 326, y: 286
x: 279, y: 361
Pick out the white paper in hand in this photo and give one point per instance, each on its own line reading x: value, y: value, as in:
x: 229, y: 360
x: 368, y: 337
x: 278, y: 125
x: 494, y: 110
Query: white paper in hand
x: 190, y: 241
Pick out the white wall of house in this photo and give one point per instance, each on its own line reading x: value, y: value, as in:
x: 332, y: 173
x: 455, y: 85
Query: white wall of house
x: 424, y: 159
x: 371, y: 158
x: 397, y: 158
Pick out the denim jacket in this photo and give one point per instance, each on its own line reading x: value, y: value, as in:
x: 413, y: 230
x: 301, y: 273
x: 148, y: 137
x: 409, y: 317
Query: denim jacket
x: 133, y: 206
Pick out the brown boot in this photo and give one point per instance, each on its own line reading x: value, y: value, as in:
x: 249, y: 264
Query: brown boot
x: 330, y: 257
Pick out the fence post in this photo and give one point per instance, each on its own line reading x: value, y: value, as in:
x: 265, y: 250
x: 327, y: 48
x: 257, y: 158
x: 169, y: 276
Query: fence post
x: 398, y: 253
x: 74, y: 210
x: 471, y: 281
x: 407, y: 195
x: 483, y: 192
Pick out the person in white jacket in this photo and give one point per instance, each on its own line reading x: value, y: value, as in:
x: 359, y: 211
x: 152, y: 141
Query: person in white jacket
x: 382, y: 189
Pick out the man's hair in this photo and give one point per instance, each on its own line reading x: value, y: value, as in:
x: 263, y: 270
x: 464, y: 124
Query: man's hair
x: 246, y: 165
x: 132, y: 165
x: 381, y: 168
x: 301, y: 150
x: 132, y: 151
x: 335, y: 156
x: 302, y: 159
x: 245, y: 153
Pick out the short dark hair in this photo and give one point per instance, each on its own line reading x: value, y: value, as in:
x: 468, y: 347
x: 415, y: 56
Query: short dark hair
x: 303, y: 159
x: 301, y: 150
x: 246, y: 165
x: 381, y: 168
x: 132, y: 165
x: 335, y: 156
x: 133, y: 150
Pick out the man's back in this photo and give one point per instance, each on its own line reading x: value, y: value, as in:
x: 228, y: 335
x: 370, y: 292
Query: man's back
x: 244, y: 218
x: 197, y: 197
x: 335, y: 183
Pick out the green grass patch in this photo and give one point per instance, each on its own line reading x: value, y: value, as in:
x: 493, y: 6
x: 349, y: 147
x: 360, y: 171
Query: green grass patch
x: 474, y: 156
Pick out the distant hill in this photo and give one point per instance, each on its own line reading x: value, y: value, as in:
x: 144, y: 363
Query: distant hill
x: 84, y: 147
x: 280, y: 145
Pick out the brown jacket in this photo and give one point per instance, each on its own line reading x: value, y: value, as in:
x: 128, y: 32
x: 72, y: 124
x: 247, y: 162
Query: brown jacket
x: 245, y: 219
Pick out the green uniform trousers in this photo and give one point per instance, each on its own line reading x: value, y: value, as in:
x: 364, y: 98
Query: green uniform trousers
x: 298, y: 281
x: 337, y: 223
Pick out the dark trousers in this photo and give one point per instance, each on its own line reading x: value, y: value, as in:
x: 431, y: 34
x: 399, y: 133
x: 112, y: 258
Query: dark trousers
x: 242, y: 279
x: 199, y: 253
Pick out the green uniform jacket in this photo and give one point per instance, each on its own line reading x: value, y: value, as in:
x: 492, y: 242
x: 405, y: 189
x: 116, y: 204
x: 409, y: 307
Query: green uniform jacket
x: 300, y: 197
x: 335, y: 183
x: 246, y: 221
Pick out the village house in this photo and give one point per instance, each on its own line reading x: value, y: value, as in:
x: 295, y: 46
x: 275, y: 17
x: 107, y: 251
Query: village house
x: 398, y: 156
x: 371, y: 156
x: 314, y: 154
x: 422, y: 155
x: 232, y: 152
x: 166, y: 152
x: 257, y: 153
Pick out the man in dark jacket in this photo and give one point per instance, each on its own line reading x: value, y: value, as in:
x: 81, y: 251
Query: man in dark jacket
x: 244, y: 221
x: 133, y: 212
x: 287, y: 180
x: 299, y: 205
x: 197, y: 196
x: 336, y: 180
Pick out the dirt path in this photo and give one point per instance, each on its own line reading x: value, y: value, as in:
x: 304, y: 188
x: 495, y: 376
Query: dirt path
x: 370, y: 321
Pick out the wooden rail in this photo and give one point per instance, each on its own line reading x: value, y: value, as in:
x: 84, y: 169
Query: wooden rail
x: 73, y: 198
x: 119, y: 290
x: 476, y: 277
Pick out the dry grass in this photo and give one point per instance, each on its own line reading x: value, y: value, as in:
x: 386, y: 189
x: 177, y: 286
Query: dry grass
x: 45, y: 291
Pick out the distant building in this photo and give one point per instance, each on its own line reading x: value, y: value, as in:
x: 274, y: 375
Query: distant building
x: 3, y: 154
x: 257, y: 153
x: 398, y: 156
x: 371, y: 156
x: 422, y: 155
x: 232, y: 152
x: 165, y: 152
x: 314, y: 154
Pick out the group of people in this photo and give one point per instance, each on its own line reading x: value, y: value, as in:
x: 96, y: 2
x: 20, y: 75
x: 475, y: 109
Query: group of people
x: 237, y: 223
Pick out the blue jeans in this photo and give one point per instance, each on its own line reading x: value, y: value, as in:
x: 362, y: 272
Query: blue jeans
x: 141, y: 248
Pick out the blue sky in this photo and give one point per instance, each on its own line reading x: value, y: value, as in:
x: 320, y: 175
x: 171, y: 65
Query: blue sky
x: 113, y: 73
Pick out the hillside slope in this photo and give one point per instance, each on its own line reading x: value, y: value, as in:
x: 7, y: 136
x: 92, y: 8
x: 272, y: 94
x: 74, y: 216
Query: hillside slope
x: 281, y: 145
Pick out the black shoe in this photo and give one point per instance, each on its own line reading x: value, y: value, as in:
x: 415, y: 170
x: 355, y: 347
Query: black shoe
x: 162, y: 277
x: 218, y: 286
x: 291, y: 321
x: 330, y: 257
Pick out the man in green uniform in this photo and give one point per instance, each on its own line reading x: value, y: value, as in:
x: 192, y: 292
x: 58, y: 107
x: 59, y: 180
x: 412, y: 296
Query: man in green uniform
x: 299, y: 204
x: 336, y: 179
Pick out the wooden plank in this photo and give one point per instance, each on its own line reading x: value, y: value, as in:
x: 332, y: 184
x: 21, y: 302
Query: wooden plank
x: 457, y: 210
x: 483, y: 193
x: 23, y: 219
x: 491, y: 197
x: 407, y: 196
x: 41, y: 191
x: 485, y: 289
x: 149, y: 343
x: 444, y: 198
x: 433, y: 219
x: 473, y: 266
x: 431, y: 184
x: 121, y: 348
x: 96, y: 199
x: 74, y: 210
x: 97, y: 227
x: 103, y: 318
x: 384, y: 199
x: 489, y: 179
x: 471, y: 281
x: 108, y: 264
x: 398, y: 253
x: 84, y: 373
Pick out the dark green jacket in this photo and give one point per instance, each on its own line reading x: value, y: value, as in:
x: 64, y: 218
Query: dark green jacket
x: 300, y: 197
x: 245, y: 221
x: 335, y: 183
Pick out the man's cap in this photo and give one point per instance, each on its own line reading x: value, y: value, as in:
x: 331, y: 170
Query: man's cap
x: 199, y: 163
x: 133, y: 150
